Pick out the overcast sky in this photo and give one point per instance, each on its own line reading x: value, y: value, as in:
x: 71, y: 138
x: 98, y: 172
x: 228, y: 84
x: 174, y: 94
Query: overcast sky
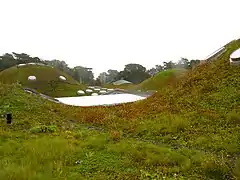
x: 107, y: 34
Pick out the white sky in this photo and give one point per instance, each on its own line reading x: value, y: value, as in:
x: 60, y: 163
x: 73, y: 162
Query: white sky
x: 107, y: 34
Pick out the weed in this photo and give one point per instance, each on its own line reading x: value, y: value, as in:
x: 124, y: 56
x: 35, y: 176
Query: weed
x: 43, y: 129
x: 115, y: 135
x: 162, y: 125
x: 215, y: 168
x: 237, y: 169
x: 233, y: 118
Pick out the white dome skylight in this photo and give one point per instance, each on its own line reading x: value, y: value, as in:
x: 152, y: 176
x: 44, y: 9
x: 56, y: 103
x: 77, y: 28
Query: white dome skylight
x: 32, y: 78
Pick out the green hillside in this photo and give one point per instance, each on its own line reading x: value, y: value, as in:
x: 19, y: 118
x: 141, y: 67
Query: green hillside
x: 189, y: 129
x: 156, y: 82
x: 47, y: 82
x: 160, y: 80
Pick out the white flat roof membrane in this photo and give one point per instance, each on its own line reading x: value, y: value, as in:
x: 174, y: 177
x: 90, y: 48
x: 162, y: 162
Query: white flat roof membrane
x: 235, y: 54
x: 100, y: 100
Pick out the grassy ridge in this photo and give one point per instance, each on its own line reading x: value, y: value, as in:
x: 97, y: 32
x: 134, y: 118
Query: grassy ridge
x: 188, y: 130
x: 156, y: 82
x: 160, y: 80
x: 47, y: 80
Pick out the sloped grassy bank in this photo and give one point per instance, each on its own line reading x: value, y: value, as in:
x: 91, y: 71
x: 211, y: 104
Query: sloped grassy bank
x: 47, y: 82
x: 188, y: 130
x: 161, y: 79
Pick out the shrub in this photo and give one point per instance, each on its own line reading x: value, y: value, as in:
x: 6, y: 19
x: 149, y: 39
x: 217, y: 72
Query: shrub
x: 115, y: 135
x: 43, y: 129
x: 233, y: 118
x: 96, y: 142
x: 152, y: 156
x: 165, y: 124
x: 236, y: 171
x: 215, y: 168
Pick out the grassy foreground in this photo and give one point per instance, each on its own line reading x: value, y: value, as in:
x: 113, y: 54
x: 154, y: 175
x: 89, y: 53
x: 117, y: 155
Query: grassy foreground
x: 47, y: 82
x: 188, y: 130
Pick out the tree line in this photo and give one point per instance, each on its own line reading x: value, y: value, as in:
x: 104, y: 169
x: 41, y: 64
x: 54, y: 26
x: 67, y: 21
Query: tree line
x: 137, y: 73
x: 134, y: 73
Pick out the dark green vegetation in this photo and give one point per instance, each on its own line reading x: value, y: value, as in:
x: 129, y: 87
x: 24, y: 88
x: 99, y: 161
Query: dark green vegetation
x: 188, y: 130
x: 134, y: 73
x: 47, y: 82
x: 137, y: 73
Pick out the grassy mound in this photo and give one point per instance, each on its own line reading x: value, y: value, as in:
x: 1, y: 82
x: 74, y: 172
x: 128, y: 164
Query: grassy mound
x: 188, y: 130
x: 47, y: 82
x: 160, y: 80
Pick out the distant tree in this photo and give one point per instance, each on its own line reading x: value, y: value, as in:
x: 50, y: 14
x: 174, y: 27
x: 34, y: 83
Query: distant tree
x: 7, y: 56
x: 36, y: 59
x: 155, y: 70
x: 112, y: 75
x: 97, y: 82
x: 121, y: 75
x: 159, y: 68
x: 152, y: 71
x: 109, y: 76
x: 194, y: 63
x: 83, y: 74
x: 103, y: 77
x: 61, y: 65
x: 6, y: 61
x: 22, y: 58
x: 183, y: 63
x: 134, y: 73
x: 169, y: 65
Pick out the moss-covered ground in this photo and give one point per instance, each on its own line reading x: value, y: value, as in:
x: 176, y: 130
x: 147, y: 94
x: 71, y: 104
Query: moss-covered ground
x: 190, y: 129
